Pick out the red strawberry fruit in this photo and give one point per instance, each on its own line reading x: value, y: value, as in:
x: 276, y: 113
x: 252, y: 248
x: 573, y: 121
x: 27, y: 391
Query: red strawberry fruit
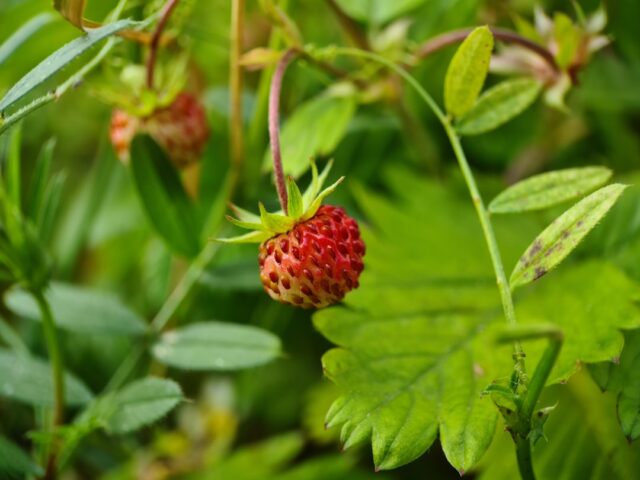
x: 311, y: 257
x: 180, y: 128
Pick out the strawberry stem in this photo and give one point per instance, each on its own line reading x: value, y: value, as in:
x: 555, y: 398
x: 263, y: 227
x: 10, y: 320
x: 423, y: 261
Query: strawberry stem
x: 155, y: 39
x: 274, y: 127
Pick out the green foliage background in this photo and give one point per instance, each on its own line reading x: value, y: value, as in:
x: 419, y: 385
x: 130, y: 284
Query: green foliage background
x: 427, y: 284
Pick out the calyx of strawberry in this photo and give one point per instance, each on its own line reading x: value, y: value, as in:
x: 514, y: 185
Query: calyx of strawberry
x: 301, y: 207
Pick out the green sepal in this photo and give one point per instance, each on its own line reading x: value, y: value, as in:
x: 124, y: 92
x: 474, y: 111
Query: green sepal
x: 316, y: 183
x: 275, y: 222
x: 294, y: 204
x: 244, y: 215
x: 315, y: 205
x: 300, y: 207
x: 247, y: 225
x: 256, y: 236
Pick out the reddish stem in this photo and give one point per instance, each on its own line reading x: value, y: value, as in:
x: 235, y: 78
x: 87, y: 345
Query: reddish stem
x: 155, y: 39
x: 507, y: 36
x: 274, y: 126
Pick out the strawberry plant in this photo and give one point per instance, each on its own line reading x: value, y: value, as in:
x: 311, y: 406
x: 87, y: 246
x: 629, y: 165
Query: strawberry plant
x: 466, y: 303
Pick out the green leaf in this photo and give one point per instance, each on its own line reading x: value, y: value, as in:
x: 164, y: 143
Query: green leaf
x: 60, y: 59
x: 498, y: 105
x: 22, y: 34
x: 294, y: 199
x: 416, y: 340
x: 12, y: 175
x: 591, y: 303
x: 583, y: 440
x: 29, y: 380
x: 39, y: 182
x: 236, y: 275
x: 163, y: 197
x: 563, y: 235
x: 80, y: 309
x: 549, y: 189
x: 620, y: 377
x: 14, y: 463
x: 467, y: 72
x: 140, y: 403
x: 314, y: 129
x: 216, y: 346
x: 378, y: 11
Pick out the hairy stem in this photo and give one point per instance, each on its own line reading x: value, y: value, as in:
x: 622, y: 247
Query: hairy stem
x: 57, y: 370
x: 434, y: 44
x: 274, y: 126
x: 235, y: 83
x: 155, y: 39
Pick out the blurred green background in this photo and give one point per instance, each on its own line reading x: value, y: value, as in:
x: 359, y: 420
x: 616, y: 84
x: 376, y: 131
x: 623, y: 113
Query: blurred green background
x: 103, y: 239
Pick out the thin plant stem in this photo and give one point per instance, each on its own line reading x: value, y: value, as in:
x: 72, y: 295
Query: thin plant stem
x: 57, y: 370
x: 155, y: 40
x: 523, y: 445
x: 483, y: 214
x: 274, y: 126
x: 166, y: 312
x: 236, y: 139
x: 507, y: 36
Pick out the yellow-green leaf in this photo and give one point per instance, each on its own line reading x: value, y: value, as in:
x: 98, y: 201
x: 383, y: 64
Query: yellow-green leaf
x: 548, y: 189
x: 467, y: 72
x: 563, y: 235
x: 498, y: 105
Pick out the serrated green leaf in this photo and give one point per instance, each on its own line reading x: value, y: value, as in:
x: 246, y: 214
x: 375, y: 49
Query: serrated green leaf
x: 216, y: 346
x: 140, y: 403
x: 274, y: 222
x: 549, y: 189
x: 163, y: 197
x: 24, y: 33
x: 498, y: 105
x: 563, y: 235
x: 60, y: 59
x: 583, y: 440
x: 417, y: 339
x: 28, y: 379
x: 620, y: 377
x: 80, y: 309
x: 295, y: 206
x: 467, y: 72
x: 314, y: 129
x: 15, y: 463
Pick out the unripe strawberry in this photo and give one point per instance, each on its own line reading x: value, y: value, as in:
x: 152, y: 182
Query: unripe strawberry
x: 180, y: 129
x: 310, y: 257
x: 316, y: 263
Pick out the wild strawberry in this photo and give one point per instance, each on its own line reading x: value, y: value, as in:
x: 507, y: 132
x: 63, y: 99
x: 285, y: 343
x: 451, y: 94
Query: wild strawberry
x: 311, y: 257
x: 180, y: 129
x: 316, y: 263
